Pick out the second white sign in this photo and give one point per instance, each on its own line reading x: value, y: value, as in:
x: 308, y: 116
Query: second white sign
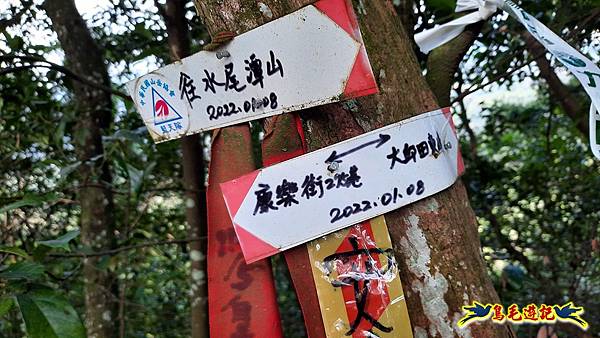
x: 293, y: 202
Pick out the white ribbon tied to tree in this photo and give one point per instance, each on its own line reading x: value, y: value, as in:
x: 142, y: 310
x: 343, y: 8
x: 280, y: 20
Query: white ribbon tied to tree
x: 586, y: 71
x: 439, y: 35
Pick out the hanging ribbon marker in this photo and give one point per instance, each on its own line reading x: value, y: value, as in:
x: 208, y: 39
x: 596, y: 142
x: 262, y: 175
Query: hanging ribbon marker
x: 432, y: 38
x: 242, y: 300
x: 581, y: 67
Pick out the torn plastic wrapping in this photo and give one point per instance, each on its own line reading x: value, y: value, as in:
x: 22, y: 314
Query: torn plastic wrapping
x: 359, y: 289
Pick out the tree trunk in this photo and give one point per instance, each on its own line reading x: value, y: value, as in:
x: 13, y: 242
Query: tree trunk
x: 436, y: 240
x: 443, y: 62
x: 193, y: 179
x: 94, y: 109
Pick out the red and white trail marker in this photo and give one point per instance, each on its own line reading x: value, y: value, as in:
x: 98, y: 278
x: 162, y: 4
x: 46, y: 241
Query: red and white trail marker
x: 310, y: 57
x: 293, y: 202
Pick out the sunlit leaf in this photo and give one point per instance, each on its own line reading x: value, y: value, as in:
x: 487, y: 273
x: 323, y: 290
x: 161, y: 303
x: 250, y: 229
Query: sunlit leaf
x: 14, y: 250
x: 124, y: 135
x: 61, y: 242
x: 5, y: 305
x: 30, y: 201
x: 66, y: 171
x: 136, y: 178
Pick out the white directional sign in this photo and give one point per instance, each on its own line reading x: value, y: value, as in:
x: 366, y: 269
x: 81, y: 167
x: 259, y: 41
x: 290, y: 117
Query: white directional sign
x: 310, y: 57
x: 293, y: 202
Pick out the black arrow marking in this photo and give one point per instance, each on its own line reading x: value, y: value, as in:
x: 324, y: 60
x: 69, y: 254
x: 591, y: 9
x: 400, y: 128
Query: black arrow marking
x: 381, y: 140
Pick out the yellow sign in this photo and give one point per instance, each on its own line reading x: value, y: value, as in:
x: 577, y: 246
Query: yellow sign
x: 532, y: 313
x: 359, y: 289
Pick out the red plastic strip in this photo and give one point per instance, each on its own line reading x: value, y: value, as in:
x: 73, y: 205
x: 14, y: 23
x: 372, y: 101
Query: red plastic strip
x: 241, y: 297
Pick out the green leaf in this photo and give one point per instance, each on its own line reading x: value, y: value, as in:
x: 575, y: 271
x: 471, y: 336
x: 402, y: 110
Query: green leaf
x: 49, y: 315
x: 30, y: 201
x: 140, y: 28
x: 5, y: 305
x: 23, y: 270
x: 14, y: 42
x: 136, y: 178
x: 39, y: 253
x: 14, y: 250
x: 61, y: 242
x: 60, y: 133
x: 445, y: 6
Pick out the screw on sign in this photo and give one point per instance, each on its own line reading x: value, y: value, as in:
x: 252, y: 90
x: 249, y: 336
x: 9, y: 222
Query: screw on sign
x: 317, y: 293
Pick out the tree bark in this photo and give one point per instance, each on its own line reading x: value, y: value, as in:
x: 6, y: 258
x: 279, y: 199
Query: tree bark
x: 193, y: 178
x: 436, y: 240
x: 94, y: 109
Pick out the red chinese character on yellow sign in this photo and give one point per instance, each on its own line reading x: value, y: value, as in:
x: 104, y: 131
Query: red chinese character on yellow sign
x: 547, y: 313
x: 498, y: 314
x: 530, y: 313
x: 514, y: 314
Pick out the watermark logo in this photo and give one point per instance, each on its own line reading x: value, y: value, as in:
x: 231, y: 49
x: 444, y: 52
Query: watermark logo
x: 532, y: 313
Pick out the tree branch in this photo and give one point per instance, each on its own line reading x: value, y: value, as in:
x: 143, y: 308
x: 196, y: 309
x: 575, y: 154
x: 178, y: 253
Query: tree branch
x: 5, y: 23
x: 443, y: 62
x: 62, y: 69
x: 496, y: 78
x: 116, y: 251
x: 567, y: 100
x: 536, y: 56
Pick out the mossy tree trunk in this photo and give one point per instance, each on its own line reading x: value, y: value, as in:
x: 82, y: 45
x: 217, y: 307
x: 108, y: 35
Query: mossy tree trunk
x: 435, y: 240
